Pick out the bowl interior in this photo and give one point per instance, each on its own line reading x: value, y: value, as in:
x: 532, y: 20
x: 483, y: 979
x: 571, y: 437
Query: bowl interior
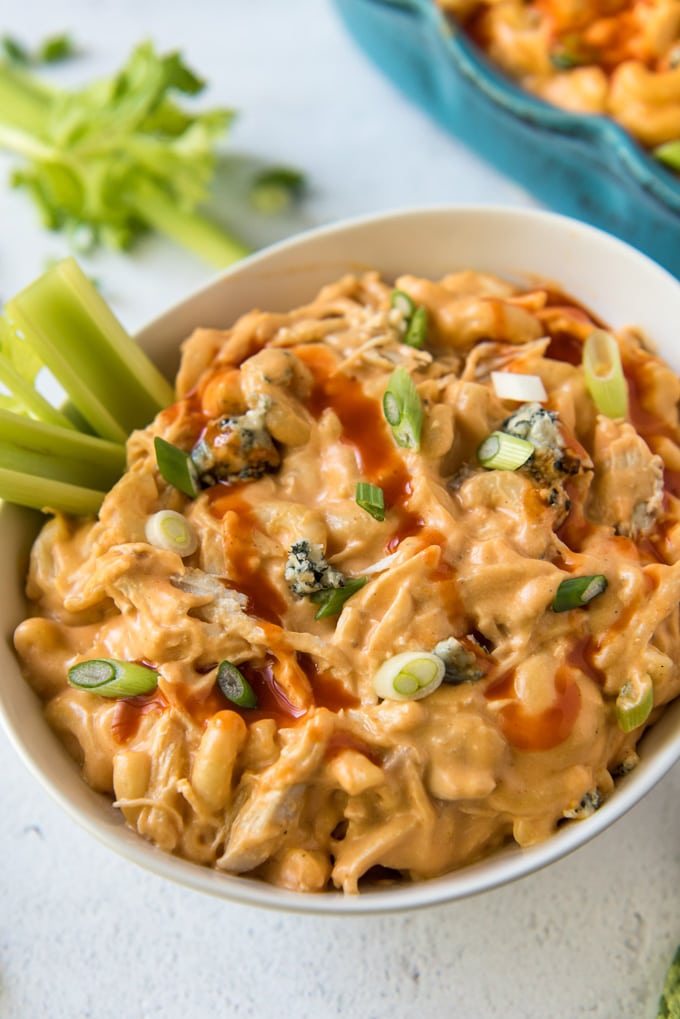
x: 619, y: 284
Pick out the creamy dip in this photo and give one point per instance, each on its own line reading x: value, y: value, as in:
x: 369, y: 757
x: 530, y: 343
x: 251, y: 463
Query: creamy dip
x: 324, y: 783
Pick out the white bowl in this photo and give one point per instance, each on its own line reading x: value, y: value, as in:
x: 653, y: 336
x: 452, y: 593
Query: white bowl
x: 622, y: 286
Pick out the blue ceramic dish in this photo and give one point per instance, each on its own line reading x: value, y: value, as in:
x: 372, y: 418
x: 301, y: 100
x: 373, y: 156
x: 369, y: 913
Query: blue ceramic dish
x: 583, y: 166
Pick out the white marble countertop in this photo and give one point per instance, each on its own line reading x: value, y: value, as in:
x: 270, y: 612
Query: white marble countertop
x: 86, y: 934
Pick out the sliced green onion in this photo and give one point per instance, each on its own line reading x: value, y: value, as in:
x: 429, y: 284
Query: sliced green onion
x: 275, y: 189
x: 331, y: 600
x: 403, y: 410
x: 170, y: 531
x: 416, y: 331
x: 578, y: 591
x: 371, y: 498
x: 570, y: 51
x: 111, y: 678
x: 403, y: 303
x: 503, y: 452
x: 634, y: 703
x: 409, y: 676
x: 56, y: 48
x: 14, y: 50
x: 605, y: 380
x: 176, y: 467
x: 235, y: 686
x: 669, y: 153
x: 415, y: 318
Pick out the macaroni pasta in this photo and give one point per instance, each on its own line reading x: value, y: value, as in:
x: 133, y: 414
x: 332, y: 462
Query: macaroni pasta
x: 324, y: 784
x: 620, y: 58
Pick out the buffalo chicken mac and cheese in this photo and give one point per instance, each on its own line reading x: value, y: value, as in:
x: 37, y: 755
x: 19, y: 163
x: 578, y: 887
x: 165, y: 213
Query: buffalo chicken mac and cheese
x: 620, y: 58
x: 393, y: 582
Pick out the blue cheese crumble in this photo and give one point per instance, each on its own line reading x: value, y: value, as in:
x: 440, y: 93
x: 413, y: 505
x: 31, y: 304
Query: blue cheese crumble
x: 551, y: 463
x: 459, y: 664
x: 308, y: 571
x: 537, y: 425
x: 236, y: 448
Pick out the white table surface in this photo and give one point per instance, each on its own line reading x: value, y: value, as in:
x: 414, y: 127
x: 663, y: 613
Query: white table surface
x: 86, y: 934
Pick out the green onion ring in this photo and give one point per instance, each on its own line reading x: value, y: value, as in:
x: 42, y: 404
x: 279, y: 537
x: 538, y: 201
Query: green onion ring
x: 110, y: 677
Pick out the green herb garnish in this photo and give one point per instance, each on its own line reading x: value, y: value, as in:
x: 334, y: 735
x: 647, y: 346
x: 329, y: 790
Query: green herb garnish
x: 403, y: 409
x: 235, y: 686
x: 415, y: 318
x: 416, y: 330
x: 604, y: 376
x: 371, y: 498
x: 176, y: 467
x: 331, y: 600
x: 109, y: 677
x: 576, y: 592
x: 501, y: 451
x: 275, y: 189
x: 403, y: 302
x: 634, y: 703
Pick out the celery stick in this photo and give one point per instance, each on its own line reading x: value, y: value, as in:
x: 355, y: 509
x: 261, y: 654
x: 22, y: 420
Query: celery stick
x: 47, y: 494
x: 29, y: 398
x: 42, y: 465
x: 189, y: 229
x: 669, y: 1004
x: 24, y: 101
x: 40, y: 437
x: 109, y: 379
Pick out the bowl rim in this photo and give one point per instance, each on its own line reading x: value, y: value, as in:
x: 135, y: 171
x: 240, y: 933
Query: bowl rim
x: 503, y: 867
x: 653, y: 177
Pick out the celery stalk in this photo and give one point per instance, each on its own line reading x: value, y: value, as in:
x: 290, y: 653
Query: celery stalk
x: 41, y: 465
x: 70, y: 327
x: 38, y: 437
x: 190, y: 229
x: 48, y: 494
x: 24, y: 100
x: 121, y: 155
x: 29, y: 398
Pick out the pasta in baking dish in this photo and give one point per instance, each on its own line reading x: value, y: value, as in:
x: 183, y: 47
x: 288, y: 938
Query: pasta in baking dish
x: 429, y: 600
x: 620, y: 58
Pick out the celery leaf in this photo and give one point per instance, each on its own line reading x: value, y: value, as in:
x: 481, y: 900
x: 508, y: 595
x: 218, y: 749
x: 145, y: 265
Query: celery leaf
x: 96, y: 157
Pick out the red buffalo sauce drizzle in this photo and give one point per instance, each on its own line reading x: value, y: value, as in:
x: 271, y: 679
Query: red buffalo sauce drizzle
x: 545, y: 729
x: 561, y: 311
x: 566, y: 347
x: 129, y: 712
x: 264, y: 600
x: 580, y: 657
x: 365, y: 429
x: 191, y: 412
x: 271, y: 700
x: 328, y: 691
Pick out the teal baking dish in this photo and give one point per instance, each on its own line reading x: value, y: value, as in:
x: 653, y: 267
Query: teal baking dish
x: 583, y: 166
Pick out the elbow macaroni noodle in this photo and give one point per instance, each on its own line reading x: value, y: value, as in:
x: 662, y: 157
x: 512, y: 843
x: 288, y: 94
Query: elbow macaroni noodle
x: 323, y: 784
x: 620, y: 58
